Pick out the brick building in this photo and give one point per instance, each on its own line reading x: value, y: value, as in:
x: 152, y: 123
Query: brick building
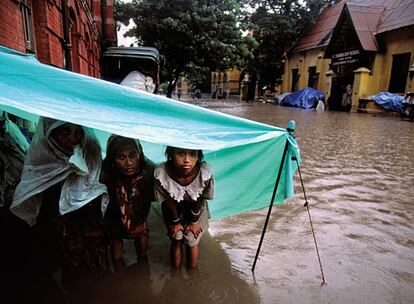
x: 69, y: 34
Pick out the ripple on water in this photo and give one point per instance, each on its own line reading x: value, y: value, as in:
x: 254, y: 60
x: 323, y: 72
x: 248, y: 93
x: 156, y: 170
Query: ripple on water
x: 359, y: 182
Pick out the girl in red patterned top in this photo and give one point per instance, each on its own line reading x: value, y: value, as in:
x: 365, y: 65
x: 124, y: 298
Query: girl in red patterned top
x: 128, y: 174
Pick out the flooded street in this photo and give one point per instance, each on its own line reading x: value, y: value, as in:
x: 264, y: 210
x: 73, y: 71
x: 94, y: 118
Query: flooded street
x: 358, y: 172
x: 120, y: 185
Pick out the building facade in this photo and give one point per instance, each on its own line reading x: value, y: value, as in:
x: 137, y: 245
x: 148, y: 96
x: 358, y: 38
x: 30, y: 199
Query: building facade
x: 356, y: 49
x: 227, y: 84
x: 69, y: 34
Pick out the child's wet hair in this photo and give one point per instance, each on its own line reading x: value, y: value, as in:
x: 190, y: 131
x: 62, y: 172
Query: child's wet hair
x: 114, y: 145
x: 169, y: 153
x: 117, y: 143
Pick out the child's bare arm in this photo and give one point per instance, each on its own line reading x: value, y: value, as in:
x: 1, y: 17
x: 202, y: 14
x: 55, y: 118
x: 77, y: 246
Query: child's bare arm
x: 170, y: 212
x: 195, y: 229
x: 173, y: 229
x: 172, y: 217
x: 139, y: 230
x: 196, y: 210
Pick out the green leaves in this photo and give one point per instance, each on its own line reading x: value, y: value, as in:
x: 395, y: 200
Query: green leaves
x: 198, y: 36
x: 277, y: 25
x: 193, y: 36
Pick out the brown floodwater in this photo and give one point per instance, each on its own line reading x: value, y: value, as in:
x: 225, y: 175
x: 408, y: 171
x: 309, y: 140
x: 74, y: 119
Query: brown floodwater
x: 358, y: 171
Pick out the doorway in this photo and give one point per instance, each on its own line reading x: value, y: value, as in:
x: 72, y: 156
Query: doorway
x: 295, y: 80
x: 399, y: 72
x: 313, y: 78
x: 341, y: 89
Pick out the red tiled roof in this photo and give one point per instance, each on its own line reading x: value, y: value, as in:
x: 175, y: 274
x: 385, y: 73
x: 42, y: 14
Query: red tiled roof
x: 398, y: 14
x: 321, y: 33
x: 365, y: 21
x: 369, y: 17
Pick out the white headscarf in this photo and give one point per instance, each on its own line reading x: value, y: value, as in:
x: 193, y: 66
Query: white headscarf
x: 46, y: 165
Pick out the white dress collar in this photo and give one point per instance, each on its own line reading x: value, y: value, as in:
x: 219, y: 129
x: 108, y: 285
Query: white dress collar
x: 176, y: 191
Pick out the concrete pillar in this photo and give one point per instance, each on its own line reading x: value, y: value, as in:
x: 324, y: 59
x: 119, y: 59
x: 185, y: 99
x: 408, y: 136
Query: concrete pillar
x: 302, y: 83
x: 328, y: 85
x: 286, y: 84
x: 360, y: 87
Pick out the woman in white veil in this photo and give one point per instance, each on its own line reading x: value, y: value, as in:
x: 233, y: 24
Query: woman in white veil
x: 61, y: 197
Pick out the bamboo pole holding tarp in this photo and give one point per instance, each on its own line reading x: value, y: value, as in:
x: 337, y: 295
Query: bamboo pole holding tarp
x: 291, y: 129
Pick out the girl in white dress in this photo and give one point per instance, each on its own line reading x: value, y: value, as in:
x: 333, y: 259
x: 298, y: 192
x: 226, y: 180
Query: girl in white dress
x: 184, y: 184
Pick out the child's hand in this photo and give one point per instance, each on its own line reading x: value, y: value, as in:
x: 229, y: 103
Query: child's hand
x: 138, y: 231
x: 175, y: 228
x: 195, y: 229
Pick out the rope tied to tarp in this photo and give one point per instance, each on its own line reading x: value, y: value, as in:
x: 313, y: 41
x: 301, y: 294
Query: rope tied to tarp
x: 290, y: 129
x: 271, y: 203
x: 310, y: 220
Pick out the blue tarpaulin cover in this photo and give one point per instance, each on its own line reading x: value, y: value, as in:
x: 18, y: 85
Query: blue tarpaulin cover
x: 306, y: 98
x: 245, y: 155
x: 389, y: 101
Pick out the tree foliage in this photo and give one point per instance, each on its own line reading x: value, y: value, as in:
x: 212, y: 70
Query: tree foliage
x: 123, y: 11
x: 276, y: 26
x: 191, y: 35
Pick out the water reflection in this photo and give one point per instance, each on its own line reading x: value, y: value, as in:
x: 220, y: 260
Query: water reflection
x: 213, y: 282
x: 358, y: 171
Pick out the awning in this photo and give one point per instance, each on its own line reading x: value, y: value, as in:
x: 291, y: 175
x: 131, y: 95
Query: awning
x: 245, y: 155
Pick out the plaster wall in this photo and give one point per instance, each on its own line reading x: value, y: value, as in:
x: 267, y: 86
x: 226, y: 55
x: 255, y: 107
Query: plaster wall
x: 377, y: 80
x: 397, y: 42
x: 229, y: 80
x: 302, y: 61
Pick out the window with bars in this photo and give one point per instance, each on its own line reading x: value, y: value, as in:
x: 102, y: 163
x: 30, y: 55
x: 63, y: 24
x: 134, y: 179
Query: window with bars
x: 28, y: 26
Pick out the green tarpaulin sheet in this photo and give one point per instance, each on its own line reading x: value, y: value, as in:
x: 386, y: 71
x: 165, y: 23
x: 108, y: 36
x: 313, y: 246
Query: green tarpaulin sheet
x: 245, y: 155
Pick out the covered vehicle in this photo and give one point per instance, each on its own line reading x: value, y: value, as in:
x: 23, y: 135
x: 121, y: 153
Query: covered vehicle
x: 135, y: 67
x: 306, y: 98
x: 389, y: 101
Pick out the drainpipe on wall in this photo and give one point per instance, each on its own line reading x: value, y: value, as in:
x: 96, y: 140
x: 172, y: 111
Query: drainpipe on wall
x: 67, y: 47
